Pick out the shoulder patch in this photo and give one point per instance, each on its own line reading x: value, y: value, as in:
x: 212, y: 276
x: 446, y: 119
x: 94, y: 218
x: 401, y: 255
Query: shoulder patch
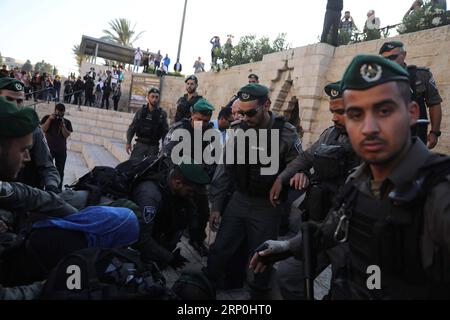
x: 298, y: 145
x: 6, y: 189
x: 149, y: 214
x: 433, y: 83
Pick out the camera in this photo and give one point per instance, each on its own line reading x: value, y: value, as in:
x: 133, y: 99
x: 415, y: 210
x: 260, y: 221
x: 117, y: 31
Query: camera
x: 58, y: 117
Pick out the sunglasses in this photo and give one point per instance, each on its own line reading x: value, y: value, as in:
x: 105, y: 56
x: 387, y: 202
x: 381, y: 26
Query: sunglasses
x: 250, y: 113
x: 392, y: 57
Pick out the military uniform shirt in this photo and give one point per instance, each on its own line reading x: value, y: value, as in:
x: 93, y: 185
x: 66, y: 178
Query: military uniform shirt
x: 304, y: 161
x: 426, y: 87
x: 436, y: 209
x: 290, y: 148
x: 133, y: 126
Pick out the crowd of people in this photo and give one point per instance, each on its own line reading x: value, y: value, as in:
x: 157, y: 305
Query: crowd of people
x: 369, y: 194
x: 339, y: 30
x: 97, y: 89
x: 154, y: 63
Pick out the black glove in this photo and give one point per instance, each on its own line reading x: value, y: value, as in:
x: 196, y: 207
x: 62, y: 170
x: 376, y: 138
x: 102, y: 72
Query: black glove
x: 178, y: 260
x: 52, y: 189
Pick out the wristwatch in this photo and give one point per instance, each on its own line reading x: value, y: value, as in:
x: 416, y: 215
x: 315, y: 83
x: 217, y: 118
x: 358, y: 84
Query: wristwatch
x: 436, y: 133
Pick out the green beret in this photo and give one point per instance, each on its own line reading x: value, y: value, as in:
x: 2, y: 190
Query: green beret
x: 203, y: 106
x: 15, y: 123
x: 388, y: 46
x: 191, y: 77
x: 333, y: 90
x: 194, y: 172
x: 153, y: 90
x: 367, y: 71
x: 252, y: 91
x: 11, y: 84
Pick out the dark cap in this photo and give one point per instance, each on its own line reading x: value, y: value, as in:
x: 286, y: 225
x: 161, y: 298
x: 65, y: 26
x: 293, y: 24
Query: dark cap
x: 193, y: 172
x: 191, y: 77
x: 388, y: 46
x: 11, y: 84
x: 367, y: 71
x: 252, y: 92
x: 333, y: 90
x: 15, y: 122
x: 203, y: 106
x: 153, y: 90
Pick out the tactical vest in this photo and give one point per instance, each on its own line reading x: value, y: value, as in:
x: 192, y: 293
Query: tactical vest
x: 420, y: 99
x: 150, y: 126
x: 421, y: 129
x: 333, y: 160
x: 247, y: 177
x: 386, y: 233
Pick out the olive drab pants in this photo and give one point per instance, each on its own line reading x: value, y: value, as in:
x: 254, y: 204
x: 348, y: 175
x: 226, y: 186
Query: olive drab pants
x: 246, y: 220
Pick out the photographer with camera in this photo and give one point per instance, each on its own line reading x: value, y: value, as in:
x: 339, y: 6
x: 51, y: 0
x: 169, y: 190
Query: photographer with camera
x: 57, y: 129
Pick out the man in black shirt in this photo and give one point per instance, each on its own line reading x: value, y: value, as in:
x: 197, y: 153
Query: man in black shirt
x: 57, y: 129
x: 331, y: 23
x: 186, y: 102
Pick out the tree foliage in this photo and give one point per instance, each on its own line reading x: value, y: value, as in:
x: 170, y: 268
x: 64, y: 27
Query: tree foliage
x: 1, y: 58
x: 121, y: 32
x: 428, y: 16
x: 250, y: 49
x: 79, y: 57
x: 43, y: 66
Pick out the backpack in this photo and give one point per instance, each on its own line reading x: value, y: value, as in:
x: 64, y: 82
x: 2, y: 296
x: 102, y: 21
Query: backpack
x: 105, y: 274
x: 117, y: 183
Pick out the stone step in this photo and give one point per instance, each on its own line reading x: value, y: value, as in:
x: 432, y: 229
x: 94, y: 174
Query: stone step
x: 99, y: 124
x: 117, y: 149
x: 89, y: 114
x: 76, y: 167
x: 97, y: 139
x: 96, y: 155
x: 49, y: 108
x: 98, y: 131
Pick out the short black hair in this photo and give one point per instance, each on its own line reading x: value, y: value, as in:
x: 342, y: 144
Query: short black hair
x: 405, y: 91
x: 60, y: 107
x: 225, y: 113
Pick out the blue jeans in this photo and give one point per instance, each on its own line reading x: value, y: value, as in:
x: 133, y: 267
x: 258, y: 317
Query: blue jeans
x: 137, y: 63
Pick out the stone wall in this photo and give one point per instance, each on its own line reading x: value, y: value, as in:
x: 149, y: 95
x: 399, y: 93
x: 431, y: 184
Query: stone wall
x: 300, y: 74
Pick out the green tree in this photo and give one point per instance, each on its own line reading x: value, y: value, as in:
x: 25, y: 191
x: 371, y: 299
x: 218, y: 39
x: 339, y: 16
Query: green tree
x: 79, y: 56
x: 250, y: 49
x: 27, y: 67
x: 121, y: 32
x: 42, y: 67
x: 1, y: 58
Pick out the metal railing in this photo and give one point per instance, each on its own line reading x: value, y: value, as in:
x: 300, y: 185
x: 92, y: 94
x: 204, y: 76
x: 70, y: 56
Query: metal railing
x: 54, y: 99
x: 384, y: 33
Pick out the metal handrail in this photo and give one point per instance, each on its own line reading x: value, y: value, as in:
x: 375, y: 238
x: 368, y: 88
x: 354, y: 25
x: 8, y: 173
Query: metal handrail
x: 54, y: 99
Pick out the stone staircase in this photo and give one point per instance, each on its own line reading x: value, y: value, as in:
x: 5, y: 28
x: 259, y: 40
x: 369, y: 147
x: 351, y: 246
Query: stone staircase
x: 98, y: 138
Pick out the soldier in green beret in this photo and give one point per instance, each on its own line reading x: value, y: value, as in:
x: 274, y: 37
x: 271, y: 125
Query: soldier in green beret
x: 254, y: 211
x: 425, y: 93
x: 332, y: 157
x: 393, y: 210
x: 150, y: 126
x: 40, y: 172
x: 201, y: 112
x: 167, y: 209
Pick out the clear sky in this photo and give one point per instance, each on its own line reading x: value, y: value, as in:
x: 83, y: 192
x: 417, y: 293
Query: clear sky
x: 47, y: 29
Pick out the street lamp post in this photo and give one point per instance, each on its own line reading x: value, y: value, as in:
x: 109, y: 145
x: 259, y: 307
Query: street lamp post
x: 182, y: 31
